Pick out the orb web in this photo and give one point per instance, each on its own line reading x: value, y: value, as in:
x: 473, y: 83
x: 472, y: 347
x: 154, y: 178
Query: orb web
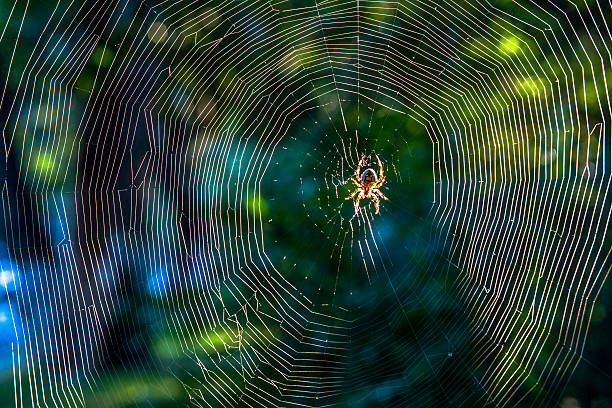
x: 175, y: 222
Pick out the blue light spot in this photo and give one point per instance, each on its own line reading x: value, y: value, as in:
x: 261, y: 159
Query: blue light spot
x: 157, y: 283
x: 57, y: 231
x: 9, y: 277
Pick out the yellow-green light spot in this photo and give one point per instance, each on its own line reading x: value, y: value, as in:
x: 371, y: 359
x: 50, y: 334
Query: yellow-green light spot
x: 530, y: 86
x: 255, y: 203
x: 589, y: 93
x: 510, y: 45
x: 216, y: 340
x: 43, y: 163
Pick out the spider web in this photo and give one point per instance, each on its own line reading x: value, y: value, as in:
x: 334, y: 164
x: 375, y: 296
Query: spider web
x: 175, y: 226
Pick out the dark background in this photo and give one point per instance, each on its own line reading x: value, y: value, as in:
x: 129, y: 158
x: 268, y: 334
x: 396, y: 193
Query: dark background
x: 144, y: 172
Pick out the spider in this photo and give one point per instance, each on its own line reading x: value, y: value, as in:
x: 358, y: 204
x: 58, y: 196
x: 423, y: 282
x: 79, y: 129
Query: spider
x: 368, y: 184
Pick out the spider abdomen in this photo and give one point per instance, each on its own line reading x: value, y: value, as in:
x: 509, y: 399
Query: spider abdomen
x: 368, y: 177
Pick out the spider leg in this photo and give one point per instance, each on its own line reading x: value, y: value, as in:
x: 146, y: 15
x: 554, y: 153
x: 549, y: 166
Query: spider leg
x: 356, y: 201
x: 380, y: 167
x: 381, y: 194
x: 379, y: 183
x: 376, y: 200
x: 358, y: 194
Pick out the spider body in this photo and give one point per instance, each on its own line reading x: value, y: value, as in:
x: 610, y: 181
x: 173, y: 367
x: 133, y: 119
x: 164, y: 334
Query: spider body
x: 368, y: 184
